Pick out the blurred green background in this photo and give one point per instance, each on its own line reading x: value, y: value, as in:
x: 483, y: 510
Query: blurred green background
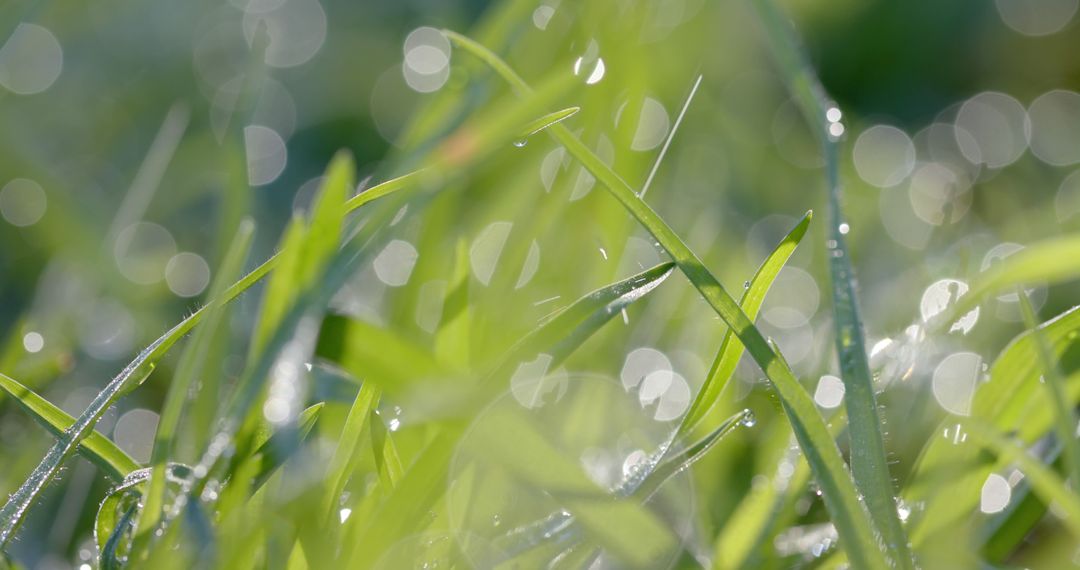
x: 134, y: 136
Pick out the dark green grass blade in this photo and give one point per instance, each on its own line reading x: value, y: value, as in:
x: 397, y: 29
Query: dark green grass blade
x: 853, y: 523
x: 869, y: 463
x: 731, y: 350
x: 97, y: 448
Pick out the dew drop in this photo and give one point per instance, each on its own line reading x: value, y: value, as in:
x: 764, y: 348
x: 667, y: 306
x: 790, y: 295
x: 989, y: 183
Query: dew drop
x: 521, y: 143
x: 748, y: 419
x: 746, y: 284
x: 844, y: 228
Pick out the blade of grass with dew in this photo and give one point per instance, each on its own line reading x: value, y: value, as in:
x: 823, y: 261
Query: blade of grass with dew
x: 97, y: 448
x: 869, y: 463
x: 546, y: 121
x: 853, y: 523
x: 948, y: 475
x: 731, y: 350
x: 1043, y: 480
x: 285, y: 335
x: 13, y: 512
x: 190, y: 367
x: 1064, y: 414
x: 561, y: 333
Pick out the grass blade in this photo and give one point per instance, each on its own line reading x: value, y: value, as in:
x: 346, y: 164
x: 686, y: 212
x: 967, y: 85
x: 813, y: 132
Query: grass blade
x: 1047, y: 262
x: 569, y: 328
x: 546, y: 121
x: 97, y: 448
x: 1043, y: 480
x: 852, y: 521
x: 348, y: 446
x: 947, y: 476
x: 869, y: 464
x: 190, y: 367
x: 1064, y: 415
x: 731, y: 350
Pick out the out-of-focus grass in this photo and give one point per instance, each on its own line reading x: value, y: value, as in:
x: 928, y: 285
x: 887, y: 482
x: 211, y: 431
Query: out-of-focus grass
x: 463, y: 353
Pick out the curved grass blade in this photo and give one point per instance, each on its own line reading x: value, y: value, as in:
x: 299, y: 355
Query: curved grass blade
x: 855, y: 527
x: 546, y: 121
x: 97, y: 448
x: 869, y: 464
x: 731, y: 350
x: 1047, y: 262
x: 564, y: 331
x: 1042, y: 479
x: 133, y: 374
x: 687, y: 457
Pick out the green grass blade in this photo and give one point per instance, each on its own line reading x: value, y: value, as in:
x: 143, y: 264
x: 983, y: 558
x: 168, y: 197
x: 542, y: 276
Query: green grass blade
x: 348, y: 446
x: 97, y: 448
x: 1043, y: 480
x: 1047, y: 262
x: 869, y: 463
x: 546, y: 121
x: 276, y: 450
x: 387, y: 460
x: 1064, y: 415
x: 455, y: 325
x: 687, y: 457
x: 191, y: 366
x: 13, y: 512
x: 670, y: 137
x: 731, y: 350
x: 566, y: 330
x: 853, y: 524
x: 947, y: 476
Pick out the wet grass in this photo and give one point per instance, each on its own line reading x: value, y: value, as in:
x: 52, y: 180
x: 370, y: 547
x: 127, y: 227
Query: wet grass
x: 363, y: 431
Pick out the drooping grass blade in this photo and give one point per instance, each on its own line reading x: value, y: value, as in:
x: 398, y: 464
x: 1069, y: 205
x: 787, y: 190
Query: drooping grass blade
x: 869, y: 464
x: 853, y: 523
x: 96, y: 447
